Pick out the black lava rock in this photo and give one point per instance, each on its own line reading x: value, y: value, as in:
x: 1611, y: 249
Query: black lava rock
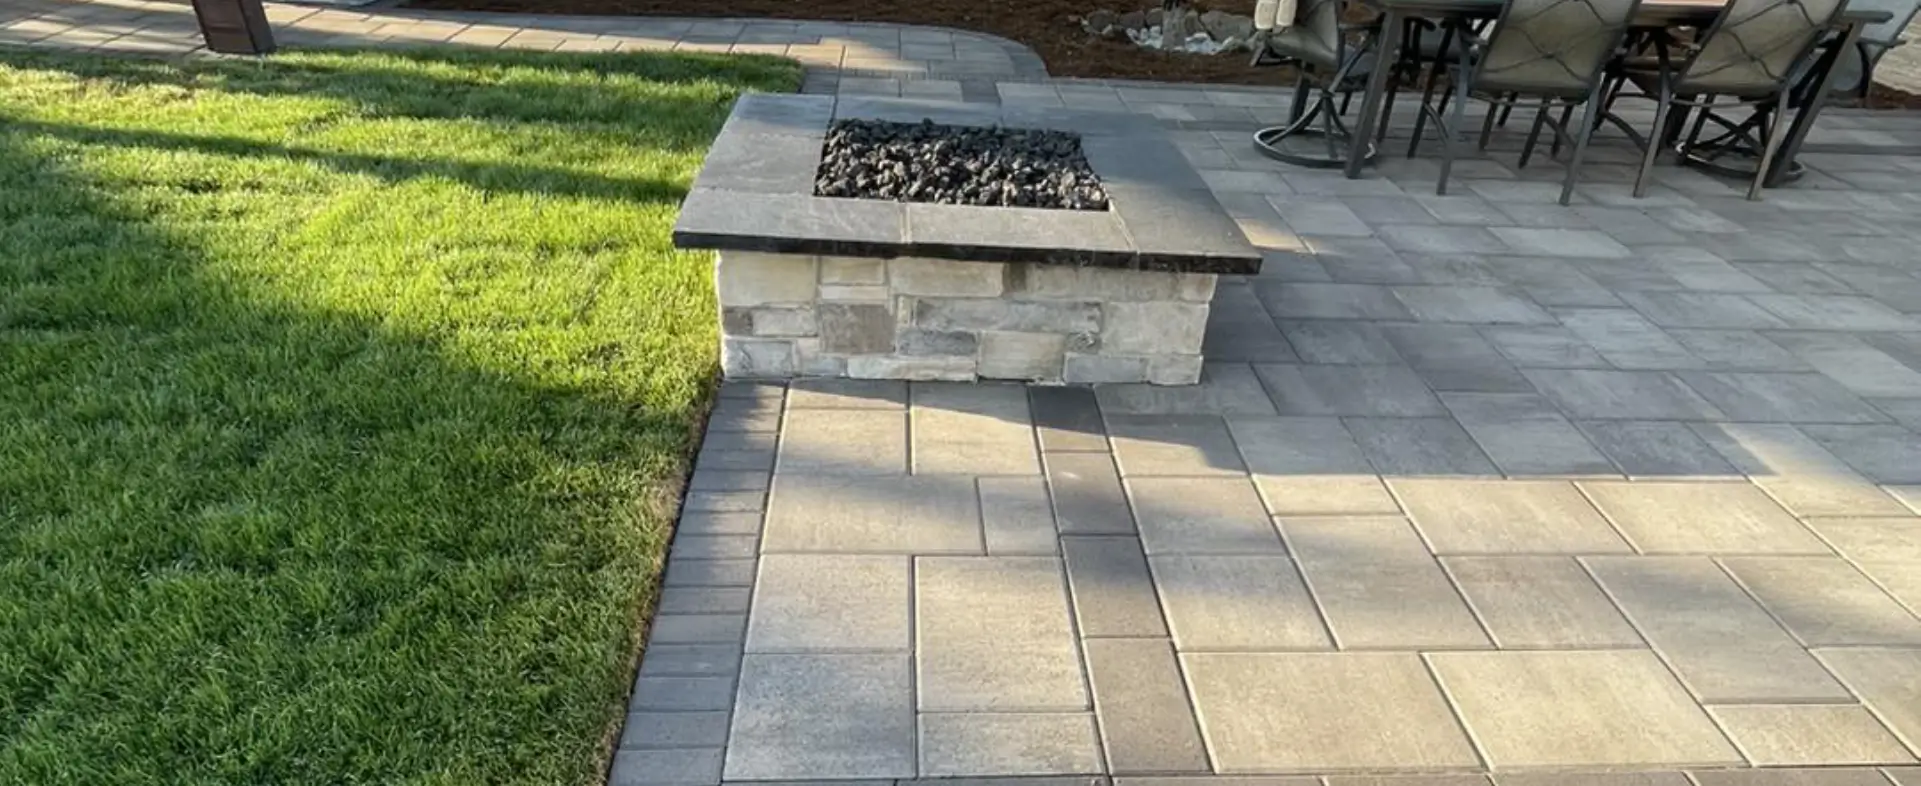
x: 957, y: 165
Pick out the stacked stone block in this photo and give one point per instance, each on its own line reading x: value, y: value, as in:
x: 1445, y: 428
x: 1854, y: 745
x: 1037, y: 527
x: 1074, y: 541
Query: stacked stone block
x: 791, y: 315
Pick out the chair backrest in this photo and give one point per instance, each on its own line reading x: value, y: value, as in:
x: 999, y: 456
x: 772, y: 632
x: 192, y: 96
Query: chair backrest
x: 1552, y: 47
x: 1315, y: 36
x: 1754, y: 46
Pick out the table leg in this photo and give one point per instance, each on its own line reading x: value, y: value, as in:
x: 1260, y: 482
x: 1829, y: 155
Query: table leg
x: 1804, y: 120
x: 1389, y: 48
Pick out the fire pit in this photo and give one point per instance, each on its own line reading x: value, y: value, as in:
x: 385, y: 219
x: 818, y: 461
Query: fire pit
x: 891, y: 239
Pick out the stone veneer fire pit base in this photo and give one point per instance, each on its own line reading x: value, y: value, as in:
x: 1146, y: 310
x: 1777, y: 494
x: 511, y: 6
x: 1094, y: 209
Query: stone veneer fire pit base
x: 785, y: 315
x: 814, y: 286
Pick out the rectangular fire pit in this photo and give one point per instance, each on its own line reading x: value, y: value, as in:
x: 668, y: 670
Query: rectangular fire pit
x: 839, y: 286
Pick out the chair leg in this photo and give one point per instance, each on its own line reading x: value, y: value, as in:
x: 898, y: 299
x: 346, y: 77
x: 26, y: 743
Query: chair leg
x: 1447, y: 128
x: 1776, y: 130
x: 1533, y: 135
x: 1387, y: 107
x: 1299, y: 104
x: 1580, y: 143
x: 1487, y: 125
x: 1554, y: 150
x: 1664, y: 102
x: 1346, y: 99
x: 1420, y: 118
x: 1512, y: 98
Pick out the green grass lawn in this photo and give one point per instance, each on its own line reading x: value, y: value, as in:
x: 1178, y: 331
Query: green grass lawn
x: 344, y: 400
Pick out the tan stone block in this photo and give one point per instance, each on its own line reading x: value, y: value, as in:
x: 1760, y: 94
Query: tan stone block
x: 1540, y: 603
x: 1774, y: 735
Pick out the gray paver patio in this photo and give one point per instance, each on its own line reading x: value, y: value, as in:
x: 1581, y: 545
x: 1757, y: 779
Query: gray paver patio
x: 1455, y: 462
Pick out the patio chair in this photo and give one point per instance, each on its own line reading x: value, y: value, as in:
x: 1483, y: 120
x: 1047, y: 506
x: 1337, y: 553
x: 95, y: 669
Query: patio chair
x: 1551, y: 53
x: 1755, y: 52
x: 1854, y: 71
x: 1330, y: 67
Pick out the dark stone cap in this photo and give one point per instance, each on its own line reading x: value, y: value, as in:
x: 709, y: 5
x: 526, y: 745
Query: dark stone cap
x: 756, y: 193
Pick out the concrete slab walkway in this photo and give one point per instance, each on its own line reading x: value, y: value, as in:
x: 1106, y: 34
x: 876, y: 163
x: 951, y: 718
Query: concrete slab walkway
x: 1476, y: 486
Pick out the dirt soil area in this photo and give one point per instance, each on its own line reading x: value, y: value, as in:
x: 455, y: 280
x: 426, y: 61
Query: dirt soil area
x: 1049, y: 26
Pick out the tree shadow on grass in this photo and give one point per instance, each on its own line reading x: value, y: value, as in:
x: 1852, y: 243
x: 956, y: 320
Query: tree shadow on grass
x: 280, y: 509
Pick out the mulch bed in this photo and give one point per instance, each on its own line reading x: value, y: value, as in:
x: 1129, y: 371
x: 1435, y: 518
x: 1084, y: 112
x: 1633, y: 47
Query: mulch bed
x: 1048, y: 26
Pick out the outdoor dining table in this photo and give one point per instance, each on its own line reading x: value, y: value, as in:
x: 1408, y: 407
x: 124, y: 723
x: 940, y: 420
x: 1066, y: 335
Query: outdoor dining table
x: 1651, y: 14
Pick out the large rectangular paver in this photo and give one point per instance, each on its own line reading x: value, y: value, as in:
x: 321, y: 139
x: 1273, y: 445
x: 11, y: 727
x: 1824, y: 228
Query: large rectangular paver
x: 995, y: 634
x: 844, y: 442
x: 1720, y: 643
x: 1824, y: 601
x: 827, y: 602
x: 1008, y: 744
x: 1388, y: 714
x: 1067, y: 418
x: 1525, y: 436
x: 1876, y: 539
x: 1796, y: 471
x: 1146, y: 721
x: 1657, y: 450
x: 1238, y: 603
x: 665, y: 767
x: 1419, y: 446
x: 1224, y: 389
x: 1309, y: 466
x: 1886, y: 454
x: 1472, y: 305
x: 1173, y: 445
x: 1569, y: 709
x: 972, y: 430
x: 1462, y: 516
x: 1087, y: 494
x: 1888, y: 681
x: 823, y: 717
x: 1781, y: 398
x: 1201, y: 516
x: 1540, y: 603
x: 1621, y: 395
x: 1378, y: 586
x: 1388, y: 391
x: 914, y: 515
x: 1626, y: 339
x: 1776, y: 735
x: 1114, y: 594
x: 1676, y: 517
x: 1017, y: 516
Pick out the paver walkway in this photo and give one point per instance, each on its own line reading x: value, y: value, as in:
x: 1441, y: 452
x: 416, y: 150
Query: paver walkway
x: 1475, y: 484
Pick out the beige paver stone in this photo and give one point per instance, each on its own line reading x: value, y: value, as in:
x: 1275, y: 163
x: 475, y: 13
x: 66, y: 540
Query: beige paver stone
x: 994, y: 634
x: 1505, y: 516
x: 1245, y: 602
x: 1146, y: 720
x: 1008, y: 744
x: 1669, y: 778
x: 1802, y: 776
x: 1905, y: 776
x: 1888, y: 682
x: 837, y: 442
x: 1389, y: 715
x: 1824, y: 601
x: 1900, y: 579
x: 1540, y: 603
x: 1774, y: 735
x: 1795, y: 470
x: 1873, y: 538
x: 823, y: 716
x: 973, y: 430
x: 828, y: 602
x: 1201, y: 516
x: 915, y: 515
x: 1701, y: 518
x: 1330, y: 495
x: 1723, y: 646
x: 1578, y: 708
x: 1378, y: 586
x: 1017, y: 516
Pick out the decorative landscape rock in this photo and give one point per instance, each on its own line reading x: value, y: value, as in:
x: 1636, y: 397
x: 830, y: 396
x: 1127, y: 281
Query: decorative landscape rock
x: 957, y: 165
x: 880, y: 288
x: 1176, y: 30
